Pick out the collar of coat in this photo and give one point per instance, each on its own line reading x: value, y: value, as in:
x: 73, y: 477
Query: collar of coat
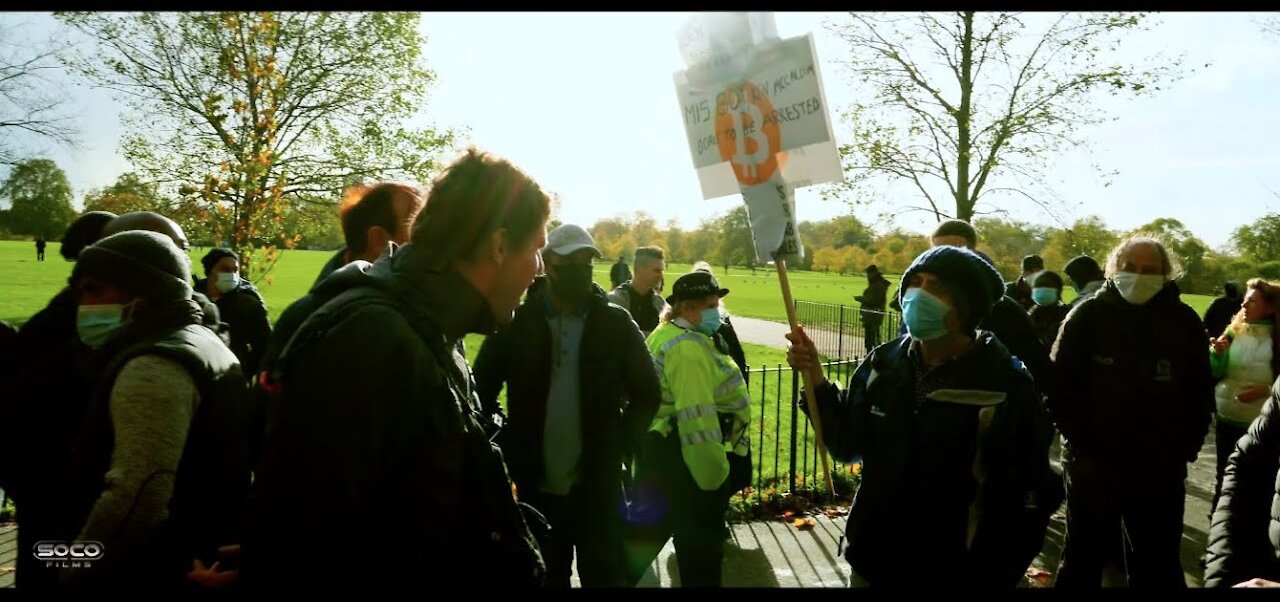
x: 440, y: 295
x: 540, y: 298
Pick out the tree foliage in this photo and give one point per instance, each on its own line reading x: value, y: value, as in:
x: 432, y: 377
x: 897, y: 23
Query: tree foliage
x: 244, y: 116
x: 39, y: 198
x: 34, y: 107
x: 965, y: 106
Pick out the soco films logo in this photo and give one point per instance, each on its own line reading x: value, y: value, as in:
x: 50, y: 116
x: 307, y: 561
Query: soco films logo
x: 68, y: 554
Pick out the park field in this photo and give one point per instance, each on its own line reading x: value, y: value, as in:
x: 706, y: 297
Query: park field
x: 26, y: 285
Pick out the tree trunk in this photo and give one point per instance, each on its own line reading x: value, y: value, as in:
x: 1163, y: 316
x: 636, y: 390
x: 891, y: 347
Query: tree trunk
x: 964, y: 120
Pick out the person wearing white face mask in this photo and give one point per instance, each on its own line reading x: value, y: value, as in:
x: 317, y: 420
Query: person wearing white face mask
x: 240, y: 306
x: 1134, y: 403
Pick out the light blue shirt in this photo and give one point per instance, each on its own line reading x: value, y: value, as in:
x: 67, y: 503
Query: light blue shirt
x: 562, y: 432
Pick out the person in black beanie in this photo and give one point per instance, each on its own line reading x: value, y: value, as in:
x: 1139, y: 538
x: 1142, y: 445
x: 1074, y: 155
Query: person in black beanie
x: 1086, y: 278
x: 158, y: 470
x: 86, y: 230
x: 240, y: 306
x: 1007, y: 320
x: 951, y: 434
x: 46, y: 382
x: 1020, y: 289
x: 1223, y: 308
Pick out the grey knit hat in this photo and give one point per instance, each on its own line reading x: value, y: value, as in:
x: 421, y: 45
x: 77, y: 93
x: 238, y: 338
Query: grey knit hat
x: 142, y: 263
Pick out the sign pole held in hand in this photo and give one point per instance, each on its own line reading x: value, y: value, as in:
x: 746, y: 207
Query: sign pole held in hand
x: 756, y: 120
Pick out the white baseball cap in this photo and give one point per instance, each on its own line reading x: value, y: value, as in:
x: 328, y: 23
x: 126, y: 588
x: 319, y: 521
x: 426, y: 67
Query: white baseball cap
x: 567, y: 238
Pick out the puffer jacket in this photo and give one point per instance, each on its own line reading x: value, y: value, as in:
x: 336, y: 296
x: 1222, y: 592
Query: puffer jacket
x: 1246, y: 362
x: 1244, y: 538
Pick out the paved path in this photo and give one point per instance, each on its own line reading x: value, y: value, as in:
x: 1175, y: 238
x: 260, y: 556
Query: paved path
x: 775, y: 554
x: 830, y: 343
x: 8, y: 553
x: 760, y: 332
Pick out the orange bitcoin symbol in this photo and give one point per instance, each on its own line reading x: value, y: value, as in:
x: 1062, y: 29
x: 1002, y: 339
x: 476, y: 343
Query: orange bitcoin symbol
x: 747, y: 140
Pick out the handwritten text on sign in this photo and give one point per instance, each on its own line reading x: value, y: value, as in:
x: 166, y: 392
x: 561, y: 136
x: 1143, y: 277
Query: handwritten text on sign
x: 787, y: 79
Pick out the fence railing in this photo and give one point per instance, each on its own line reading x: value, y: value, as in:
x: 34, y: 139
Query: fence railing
x: 784, y: 449
x: 844, y: 332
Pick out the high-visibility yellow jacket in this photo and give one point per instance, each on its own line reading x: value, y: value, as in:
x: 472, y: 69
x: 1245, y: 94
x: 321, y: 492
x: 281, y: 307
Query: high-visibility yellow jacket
x: 700, y: 385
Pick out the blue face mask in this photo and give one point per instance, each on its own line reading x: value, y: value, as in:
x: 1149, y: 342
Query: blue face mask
x: 924, y: 314
x: 96, y: 324
x: 710, y: 321
x: 1044, y: 295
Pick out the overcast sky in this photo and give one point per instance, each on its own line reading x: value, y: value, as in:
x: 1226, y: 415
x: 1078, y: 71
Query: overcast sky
x: 586, y: 104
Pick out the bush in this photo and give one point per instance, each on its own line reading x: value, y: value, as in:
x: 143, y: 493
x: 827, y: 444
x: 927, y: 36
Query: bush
x: 7, y: 511
x: 752, y: 504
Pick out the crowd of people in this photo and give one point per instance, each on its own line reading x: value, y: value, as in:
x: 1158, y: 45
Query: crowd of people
x: 204, y: 448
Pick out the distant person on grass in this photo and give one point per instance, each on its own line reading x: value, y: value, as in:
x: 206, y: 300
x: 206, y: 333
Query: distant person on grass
x: 40, y: 244
x: 872, y: 301
x: 619, y: 273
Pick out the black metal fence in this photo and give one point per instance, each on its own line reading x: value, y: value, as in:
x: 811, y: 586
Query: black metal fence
x: 784, y: 449
x: 844, y: 332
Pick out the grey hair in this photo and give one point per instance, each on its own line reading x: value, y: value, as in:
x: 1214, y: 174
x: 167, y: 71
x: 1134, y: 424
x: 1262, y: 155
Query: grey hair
x: 1171, y: 267
x: 702, y: 266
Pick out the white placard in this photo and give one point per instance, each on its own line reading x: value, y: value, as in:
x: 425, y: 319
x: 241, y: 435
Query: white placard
x: 756, y: 120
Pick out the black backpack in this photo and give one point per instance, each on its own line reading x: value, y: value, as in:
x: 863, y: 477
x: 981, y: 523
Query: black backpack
x: 514, y: 557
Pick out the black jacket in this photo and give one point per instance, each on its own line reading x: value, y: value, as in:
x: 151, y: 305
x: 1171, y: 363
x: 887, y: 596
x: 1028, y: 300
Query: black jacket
x: 1134, y: 381
x: 1244, y: 539
x: 619, y: 388
x: 619, y: 273
x: 873, y: 297
x: 337, y: 260
x: 377, y: 429
x: 918, y: 436
x: 1218, y: 316
x: 245, y: 314
x: 1020, y: 291
x: 1047, y: 319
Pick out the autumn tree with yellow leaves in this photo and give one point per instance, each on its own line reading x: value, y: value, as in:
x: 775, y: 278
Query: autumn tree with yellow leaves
x: 246, y: 116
